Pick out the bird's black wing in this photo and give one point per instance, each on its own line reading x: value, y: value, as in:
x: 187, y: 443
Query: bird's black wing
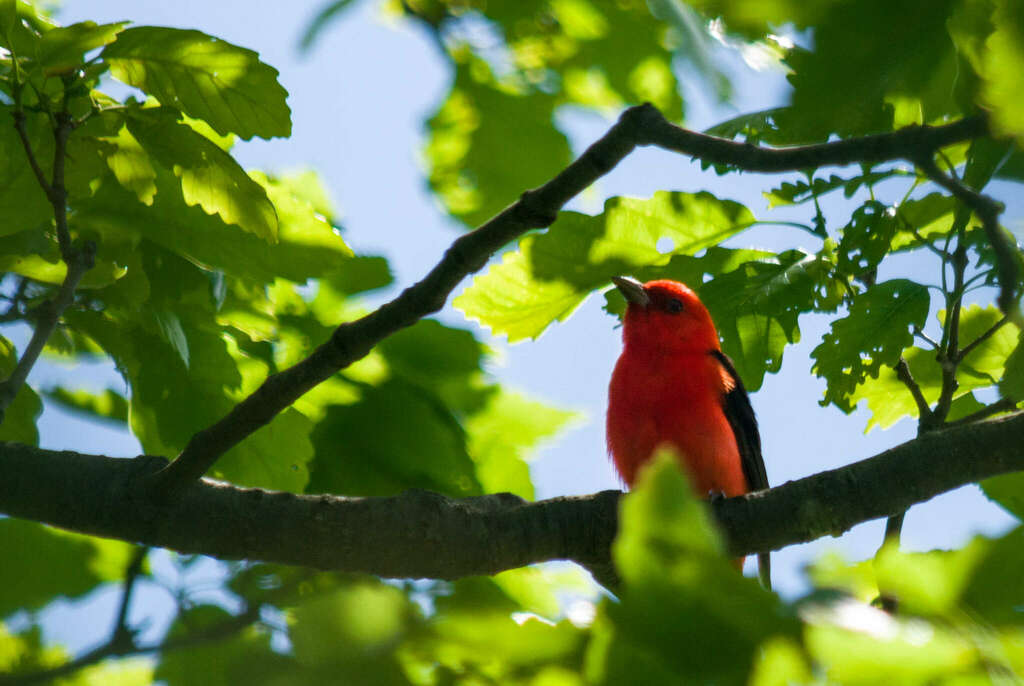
x: 740, y: 414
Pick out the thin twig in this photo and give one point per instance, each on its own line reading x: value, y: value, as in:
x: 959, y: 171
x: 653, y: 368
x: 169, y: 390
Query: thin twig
x: 33, y: 163
x: 904, y: 375
x: 49, y: 316
x: 981, y: 339
x: 1001, y: 405
x: 988, y: 211
x: 77, y: 260
x: 949, y: 357
x: 121, y: 631
x: 926, y: 338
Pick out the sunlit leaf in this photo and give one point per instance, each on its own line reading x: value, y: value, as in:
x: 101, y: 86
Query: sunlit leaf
x: 877, y: 329
x: 888, y: 398
x: 62, y: 49
x: 1008, y: 491
x: 487, y: 144
x: 205, y: 77
x: 1003, y: 64
x: 209, y: 176
x: 551, y: 273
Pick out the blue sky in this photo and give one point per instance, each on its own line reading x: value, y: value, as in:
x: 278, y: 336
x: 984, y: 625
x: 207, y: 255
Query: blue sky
x: 359, y: 100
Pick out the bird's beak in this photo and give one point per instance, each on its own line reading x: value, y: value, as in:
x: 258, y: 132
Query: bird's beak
x: 632, y: 290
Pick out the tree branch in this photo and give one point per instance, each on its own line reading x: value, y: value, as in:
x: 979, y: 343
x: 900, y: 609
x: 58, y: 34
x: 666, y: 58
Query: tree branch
x: 49, y: 316
x: 641, y: 125
x: 421, y: 534
x: 923, y: 410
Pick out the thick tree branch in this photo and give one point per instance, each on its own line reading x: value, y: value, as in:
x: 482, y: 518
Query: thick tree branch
x: 642, y: 125
x: 421, y: 534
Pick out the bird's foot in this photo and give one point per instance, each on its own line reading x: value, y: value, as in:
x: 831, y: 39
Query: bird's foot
x: 715, y: 496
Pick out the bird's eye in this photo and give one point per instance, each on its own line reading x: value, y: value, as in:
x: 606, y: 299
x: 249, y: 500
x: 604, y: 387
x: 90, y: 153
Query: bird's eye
x: 675, y: 306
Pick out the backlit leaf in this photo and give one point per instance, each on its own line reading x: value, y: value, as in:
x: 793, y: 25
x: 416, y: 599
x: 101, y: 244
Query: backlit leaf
x: 205, y: 77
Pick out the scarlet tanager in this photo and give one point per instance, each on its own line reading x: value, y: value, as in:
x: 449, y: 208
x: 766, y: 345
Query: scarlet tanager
x: 674, y: 386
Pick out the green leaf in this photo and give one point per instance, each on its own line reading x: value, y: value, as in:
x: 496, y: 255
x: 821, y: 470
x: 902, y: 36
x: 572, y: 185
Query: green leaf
x: 349, y: 624
x: 685, y: 611
x: 8, y: 17
x: 995, y: 593
x: 757, y: 305
x: 276, y: 456
x: 888, y: 398
x: 502, y: 433
x: 1008, y: 491
x: 908, y: 53
x: 928, y: 218
x: 479, y: 162
x: 782, y: 662
x: 396, y: 437
x: 205, y: 77
x: 168, y: 325
x: 867, y: 238
x: 131, y: 164
x: 109, y: 405
x: 23, y: 205
x: 63, y: 48
x: 206, y: 240
x: 133, y: 671
x: 171, y: 402
x: 42, y: 563
x: 439, y: 359
x: 855, y: 643
x: 1003, y: 64
x: 224, y: 662
x: 210, y: 177
x: 20, y: 417
x: 927, y: 583
x: 985, y: 365
x: 874, y: 333
x: 635, y: 68
x: 551, y: 273
x: 795, y: 193
x: 1012, y: 383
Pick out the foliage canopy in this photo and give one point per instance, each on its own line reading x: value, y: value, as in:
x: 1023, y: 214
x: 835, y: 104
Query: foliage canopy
x: 129, y: 232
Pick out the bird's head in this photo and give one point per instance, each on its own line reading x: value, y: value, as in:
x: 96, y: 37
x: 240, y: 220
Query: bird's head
x: 666, y: 315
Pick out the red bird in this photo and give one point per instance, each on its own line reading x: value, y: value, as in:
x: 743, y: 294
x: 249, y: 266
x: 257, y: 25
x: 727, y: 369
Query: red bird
x: 674, y: 386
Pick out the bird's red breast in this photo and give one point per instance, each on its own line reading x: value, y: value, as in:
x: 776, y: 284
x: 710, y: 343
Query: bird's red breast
x: 669, y: 388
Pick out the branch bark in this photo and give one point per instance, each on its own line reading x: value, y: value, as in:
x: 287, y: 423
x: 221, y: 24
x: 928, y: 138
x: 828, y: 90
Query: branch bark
x: 422, y: 534
x: 642, y: 125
